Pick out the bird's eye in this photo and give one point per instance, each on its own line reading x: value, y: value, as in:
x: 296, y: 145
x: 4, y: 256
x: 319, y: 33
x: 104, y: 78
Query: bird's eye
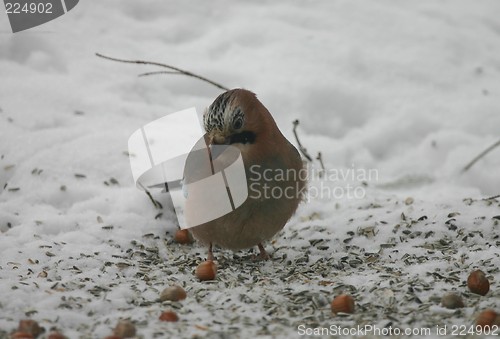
x: 238, y: 123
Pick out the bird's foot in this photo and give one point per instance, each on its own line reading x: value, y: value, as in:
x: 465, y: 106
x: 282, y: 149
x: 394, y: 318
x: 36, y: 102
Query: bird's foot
x: 262, y: 256
x: 210, y: 255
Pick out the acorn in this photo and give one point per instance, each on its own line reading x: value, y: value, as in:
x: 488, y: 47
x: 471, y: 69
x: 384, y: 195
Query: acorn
x: 173, y: 293
x: 56, y: 335
x: 206, y: 270
x: 169, y: 316
x: 183, y: 237
x: 488, y: 318
x: 125, y: 329
x: 30, y: 326
x: 343, y: 303
x: 452, y: 301
x: 478, y: 283
x: 21, y: 335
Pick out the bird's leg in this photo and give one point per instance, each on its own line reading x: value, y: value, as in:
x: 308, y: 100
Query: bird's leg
x: 210, y: 256
x: 262, y: 253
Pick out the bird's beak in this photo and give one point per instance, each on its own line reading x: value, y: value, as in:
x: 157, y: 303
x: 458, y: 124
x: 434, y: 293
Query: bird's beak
x: 218, y: 139
x: 218, y: 144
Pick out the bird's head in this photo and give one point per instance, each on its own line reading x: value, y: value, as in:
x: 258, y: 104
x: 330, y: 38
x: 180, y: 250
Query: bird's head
x: 238, y: 118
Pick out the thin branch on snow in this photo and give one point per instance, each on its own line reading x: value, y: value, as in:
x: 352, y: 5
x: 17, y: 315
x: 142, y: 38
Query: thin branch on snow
x: 302, y: 149
x: 156, y: 204
x: 158, y: 72
x: 482, y: 154
x: 320, y: 159
x: 493, y: 197
x: 174, y: 70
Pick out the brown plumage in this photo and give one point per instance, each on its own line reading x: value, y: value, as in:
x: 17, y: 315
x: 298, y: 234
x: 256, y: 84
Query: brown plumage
x: 238, y: 118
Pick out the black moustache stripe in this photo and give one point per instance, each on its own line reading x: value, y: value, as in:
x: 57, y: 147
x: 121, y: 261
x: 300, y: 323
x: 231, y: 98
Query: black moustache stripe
x: 245, y: 137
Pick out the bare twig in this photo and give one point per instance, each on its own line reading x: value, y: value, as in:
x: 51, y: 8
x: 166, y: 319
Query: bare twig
x: 493, y: 197
x: 159, y: 72
x: 173, y: 68
x: 320, y: 159
x: 156, y: 204
x: 482, y: 154
x: 302, y: 149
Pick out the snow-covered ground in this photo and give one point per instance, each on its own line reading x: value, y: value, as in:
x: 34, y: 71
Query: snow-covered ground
x: 408, y: 90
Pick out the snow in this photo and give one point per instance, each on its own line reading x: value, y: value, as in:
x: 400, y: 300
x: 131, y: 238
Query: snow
x: 409, y: 89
